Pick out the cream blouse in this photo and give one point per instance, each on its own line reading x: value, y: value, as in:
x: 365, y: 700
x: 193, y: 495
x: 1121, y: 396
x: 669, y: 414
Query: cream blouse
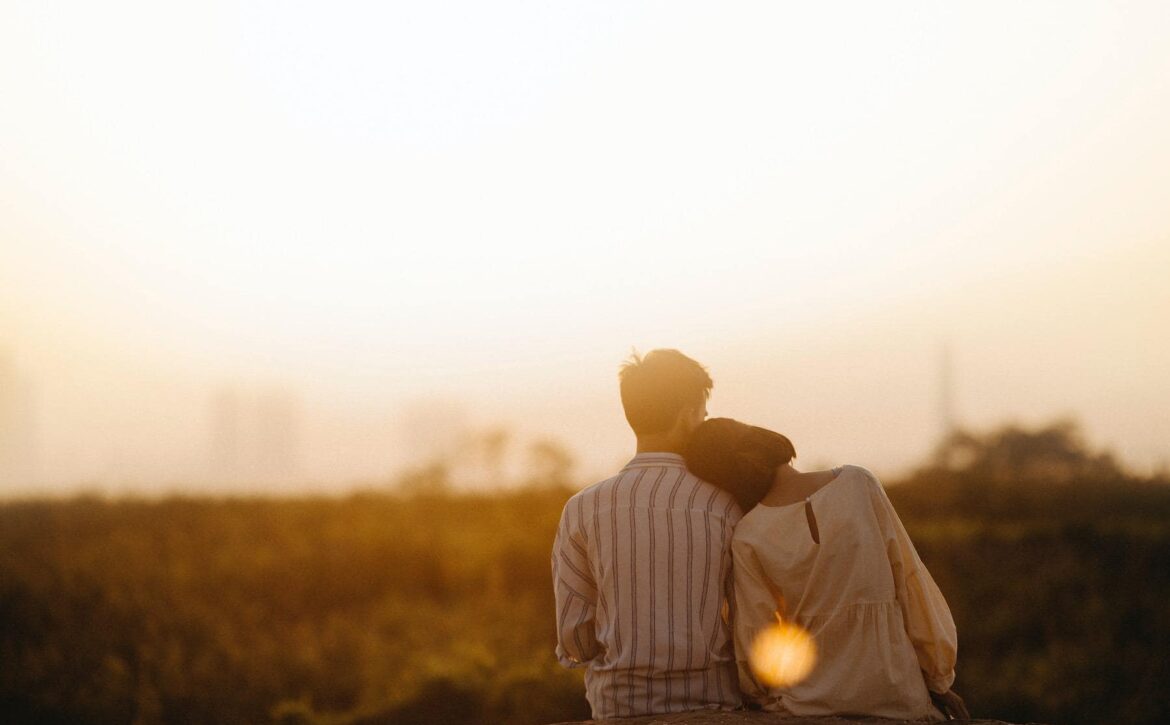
x: 883, y: 631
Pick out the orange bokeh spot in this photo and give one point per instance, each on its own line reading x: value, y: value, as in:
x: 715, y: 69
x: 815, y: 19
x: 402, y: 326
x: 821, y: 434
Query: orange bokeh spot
x: 782, y: 655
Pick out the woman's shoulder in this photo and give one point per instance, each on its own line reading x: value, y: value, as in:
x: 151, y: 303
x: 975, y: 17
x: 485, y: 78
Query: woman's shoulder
x: 859, y: 483
x: 761, y: 523
x: 859, y: 474
x: 748, y: 532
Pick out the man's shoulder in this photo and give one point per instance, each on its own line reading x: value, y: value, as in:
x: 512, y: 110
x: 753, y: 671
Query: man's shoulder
x: 594, y: 489
x: 672, y: 487
x: 590, y: 496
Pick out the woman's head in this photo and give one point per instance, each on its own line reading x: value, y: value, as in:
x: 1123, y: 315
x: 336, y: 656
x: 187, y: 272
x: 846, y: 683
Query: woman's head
x: 739, y: 458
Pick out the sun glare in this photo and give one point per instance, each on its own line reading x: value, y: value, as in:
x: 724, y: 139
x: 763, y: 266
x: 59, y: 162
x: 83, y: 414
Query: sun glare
x: 783, y: 654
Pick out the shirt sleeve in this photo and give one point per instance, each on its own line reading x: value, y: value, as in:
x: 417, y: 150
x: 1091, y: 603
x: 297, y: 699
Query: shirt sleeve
x: 576, y: 595
x: 755, y: 611
x: 924, y: 610
x: 732, y: 517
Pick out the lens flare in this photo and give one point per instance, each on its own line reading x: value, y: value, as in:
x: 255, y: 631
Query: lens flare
x: 783, y: 654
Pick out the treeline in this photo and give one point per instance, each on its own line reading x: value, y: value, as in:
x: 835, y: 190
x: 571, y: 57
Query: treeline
x: 421, y: 607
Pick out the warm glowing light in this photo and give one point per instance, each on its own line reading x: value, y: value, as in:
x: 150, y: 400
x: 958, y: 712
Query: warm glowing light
x: 386, y: 209
x: 783, y: 654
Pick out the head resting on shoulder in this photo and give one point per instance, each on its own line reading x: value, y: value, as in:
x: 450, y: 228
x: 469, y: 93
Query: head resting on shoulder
x: 664, y: 395
x: 739, y: 458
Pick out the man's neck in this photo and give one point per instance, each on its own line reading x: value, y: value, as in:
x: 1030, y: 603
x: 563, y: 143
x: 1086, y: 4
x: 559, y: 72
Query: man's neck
x: 659, y: 443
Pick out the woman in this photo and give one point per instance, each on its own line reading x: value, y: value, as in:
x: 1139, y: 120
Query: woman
x: 826, y: 551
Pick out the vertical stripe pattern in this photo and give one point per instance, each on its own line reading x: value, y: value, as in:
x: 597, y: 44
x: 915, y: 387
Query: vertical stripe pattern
x: 641, y: 570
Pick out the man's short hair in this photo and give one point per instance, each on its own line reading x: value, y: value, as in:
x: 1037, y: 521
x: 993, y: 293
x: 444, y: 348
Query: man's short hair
x: 658, y: 386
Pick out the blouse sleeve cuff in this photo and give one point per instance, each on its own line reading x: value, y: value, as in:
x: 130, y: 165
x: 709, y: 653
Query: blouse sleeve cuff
x: 940, y: 684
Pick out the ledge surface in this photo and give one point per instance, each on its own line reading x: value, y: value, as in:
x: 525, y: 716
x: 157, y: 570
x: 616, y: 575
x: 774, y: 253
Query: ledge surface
x: 704, y: 717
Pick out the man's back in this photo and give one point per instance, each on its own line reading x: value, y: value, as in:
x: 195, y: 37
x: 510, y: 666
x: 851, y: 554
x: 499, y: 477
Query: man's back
x: 642, y: 568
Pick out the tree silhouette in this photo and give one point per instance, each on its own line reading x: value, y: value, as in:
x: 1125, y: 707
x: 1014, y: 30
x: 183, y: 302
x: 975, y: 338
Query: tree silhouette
x: 1055, y: 453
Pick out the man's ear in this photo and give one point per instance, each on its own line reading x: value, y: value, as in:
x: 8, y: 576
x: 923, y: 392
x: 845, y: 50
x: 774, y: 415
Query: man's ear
x: 683, y: 422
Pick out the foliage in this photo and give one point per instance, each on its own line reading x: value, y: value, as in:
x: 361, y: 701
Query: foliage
x: 426, y: 605
x: 1054, y: 453
x: 247, y: 611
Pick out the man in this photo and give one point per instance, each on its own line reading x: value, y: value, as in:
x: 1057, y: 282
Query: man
x: 642, y: 561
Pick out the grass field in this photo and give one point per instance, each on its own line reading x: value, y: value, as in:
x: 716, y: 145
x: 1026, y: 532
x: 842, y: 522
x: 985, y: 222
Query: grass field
x: 415, y: 608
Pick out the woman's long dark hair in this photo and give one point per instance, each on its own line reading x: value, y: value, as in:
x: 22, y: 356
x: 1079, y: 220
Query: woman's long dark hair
x: 739, y: 458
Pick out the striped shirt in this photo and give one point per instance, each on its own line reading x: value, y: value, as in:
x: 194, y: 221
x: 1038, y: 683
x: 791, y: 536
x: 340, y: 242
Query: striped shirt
x: 642, y: 570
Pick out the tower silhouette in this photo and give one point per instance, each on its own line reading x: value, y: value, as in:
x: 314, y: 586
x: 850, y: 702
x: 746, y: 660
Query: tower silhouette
x: 946, y: 392
x: 947, y: 419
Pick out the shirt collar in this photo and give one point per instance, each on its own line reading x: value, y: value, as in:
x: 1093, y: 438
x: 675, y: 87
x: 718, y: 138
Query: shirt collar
x: 654, y: 458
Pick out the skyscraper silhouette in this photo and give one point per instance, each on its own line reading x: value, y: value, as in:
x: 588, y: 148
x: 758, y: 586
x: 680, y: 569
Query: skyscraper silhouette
x: 254, y: 436
x: 225, y: 429
x: 17, y: 438
x: 276, y: 436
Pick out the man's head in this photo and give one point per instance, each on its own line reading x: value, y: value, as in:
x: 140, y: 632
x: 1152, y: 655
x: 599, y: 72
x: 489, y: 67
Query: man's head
x: 664, y: 394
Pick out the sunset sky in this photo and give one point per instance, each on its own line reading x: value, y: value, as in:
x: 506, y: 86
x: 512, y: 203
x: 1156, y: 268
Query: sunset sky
x: 431, y: 218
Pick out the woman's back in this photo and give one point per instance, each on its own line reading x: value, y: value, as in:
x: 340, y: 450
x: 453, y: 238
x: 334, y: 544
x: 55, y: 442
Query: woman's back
x: 842, y: 567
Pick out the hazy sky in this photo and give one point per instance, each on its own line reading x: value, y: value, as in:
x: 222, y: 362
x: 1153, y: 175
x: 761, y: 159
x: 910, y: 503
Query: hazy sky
x: 483, y: 207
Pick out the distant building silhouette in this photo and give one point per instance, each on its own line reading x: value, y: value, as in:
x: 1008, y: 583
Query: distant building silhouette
x: 225, y: 427
x: 254, y: 436
x: 18, y: 459
x: 277, y: 436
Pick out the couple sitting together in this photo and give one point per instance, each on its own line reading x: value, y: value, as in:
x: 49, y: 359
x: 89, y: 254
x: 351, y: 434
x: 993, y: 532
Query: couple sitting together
x: 666, y: 573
